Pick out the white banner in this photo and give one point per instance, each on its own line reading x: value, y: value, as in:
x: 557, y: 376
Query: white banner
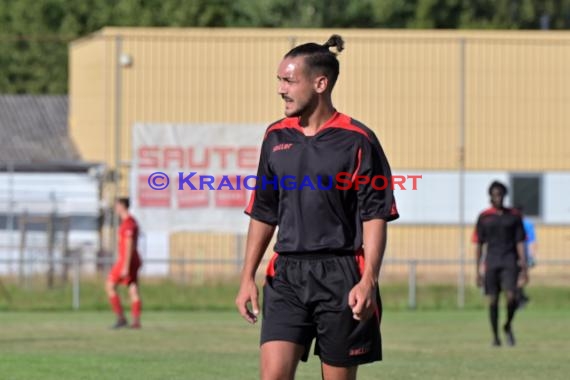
x: 194, y: 177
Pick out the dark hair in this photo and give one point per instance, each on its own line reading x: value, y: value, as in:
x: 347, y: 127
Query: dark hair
x: 124, y: 201
x: 319, y: 58
x: 498, y: 185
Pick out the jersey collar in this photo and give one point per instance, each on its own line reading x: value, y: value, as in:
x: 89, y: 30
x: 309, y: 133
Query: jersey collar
x: 327, y: 124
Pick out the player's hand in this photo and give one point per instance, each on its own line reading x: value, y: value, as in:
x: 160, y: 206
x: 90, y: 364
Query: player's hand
x: 362, y: 300
x: 124, y: 272
x: 248, y: 294
x: 479, y: 280
x: 523, y: 278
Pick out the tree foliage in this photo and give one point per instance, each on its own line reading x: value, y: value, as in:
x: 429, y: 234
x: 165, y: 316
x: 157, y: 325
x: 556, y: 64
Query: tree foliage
x: 34, y: 33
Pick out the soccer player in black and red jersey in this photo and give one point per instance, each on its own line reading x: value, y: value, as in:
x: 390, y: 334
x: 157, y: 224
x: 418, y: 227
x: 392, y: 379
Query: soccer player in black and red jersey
x: 322, y: 281
x: 501, y: 230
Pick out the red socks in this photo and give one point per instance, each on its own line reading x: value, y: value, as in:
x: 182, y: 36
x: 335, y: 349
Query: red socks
x: 136, y: 311
x: 115, y: 302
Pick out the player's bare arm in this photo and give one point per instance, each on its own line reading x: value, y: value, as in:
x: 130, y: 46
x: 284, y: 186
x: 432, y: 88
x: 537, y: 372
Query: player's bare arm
x: 258, y: 237
x: 532, y: 249
x: 478, y: 255
x: 362, y: 297
x: 523, y: 278
x: 129, y: 247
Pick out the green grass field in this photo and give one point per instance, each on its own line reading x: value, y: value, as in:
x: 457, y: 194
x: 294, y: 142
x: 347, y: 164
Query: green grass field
x: 208, y: 345
x: 169, y: 296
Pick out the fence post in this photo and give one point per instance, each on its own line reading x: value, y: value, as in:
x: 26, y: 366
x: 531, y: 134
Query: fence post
x: 461, y: 278
x: 22, y: 253
x: 51, y: 228
x: 76, y: 282
x: 412, y: 265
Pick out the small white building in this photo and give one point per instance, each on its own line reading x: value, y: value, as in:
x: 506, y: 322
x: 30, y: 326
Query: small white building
x: 49, y: 200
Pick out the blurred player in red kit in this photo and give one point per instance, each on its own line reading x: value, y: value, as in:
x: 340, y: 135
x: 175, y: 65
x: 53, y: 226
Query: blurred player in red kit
x: 125, y: 270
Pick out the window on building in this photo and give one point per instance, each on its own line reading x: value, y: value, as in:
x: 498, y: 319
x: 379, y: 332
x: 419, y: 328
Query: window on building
x: 526, y: 192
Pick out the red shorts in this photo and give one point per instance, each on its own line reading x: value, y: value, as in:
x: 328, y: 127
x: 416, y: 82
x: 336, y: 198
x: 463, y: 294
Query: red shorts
x: 131, y: 277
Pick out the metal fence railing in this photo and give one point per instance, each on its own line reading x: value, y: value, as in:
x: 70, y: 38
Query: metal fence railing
x: 75, y: 271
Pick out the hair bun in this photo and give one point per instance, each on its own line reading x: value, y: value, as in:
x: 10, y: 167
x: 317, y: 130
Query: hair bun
x: 335, y: 41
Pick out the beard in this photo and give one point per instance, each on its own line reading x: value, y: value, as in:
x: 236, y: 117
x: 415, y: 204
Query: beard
x: 303, y: 108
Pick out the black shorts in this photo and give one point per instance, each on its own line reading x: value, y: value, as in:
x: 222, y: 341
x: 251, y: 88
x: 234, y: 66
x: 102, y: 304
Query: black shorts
x: 305, y: 296
x: 501, y: 279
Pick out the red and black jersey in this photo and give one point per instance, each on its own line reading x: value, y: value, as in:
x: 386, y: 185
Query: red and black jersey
x: 312, y: 213
x: 128, y: 229
x: 501, y: 230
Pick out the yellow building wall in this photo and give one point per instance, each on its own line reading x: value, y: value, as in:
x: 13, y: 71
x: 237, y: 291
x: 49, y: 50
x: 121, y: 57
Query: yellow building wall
x: 405, y: 85
x: 213, y: 257
x: 517, y: 110
x: 436, y: 249
x: 90, y: 88
x: 433, y: 245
